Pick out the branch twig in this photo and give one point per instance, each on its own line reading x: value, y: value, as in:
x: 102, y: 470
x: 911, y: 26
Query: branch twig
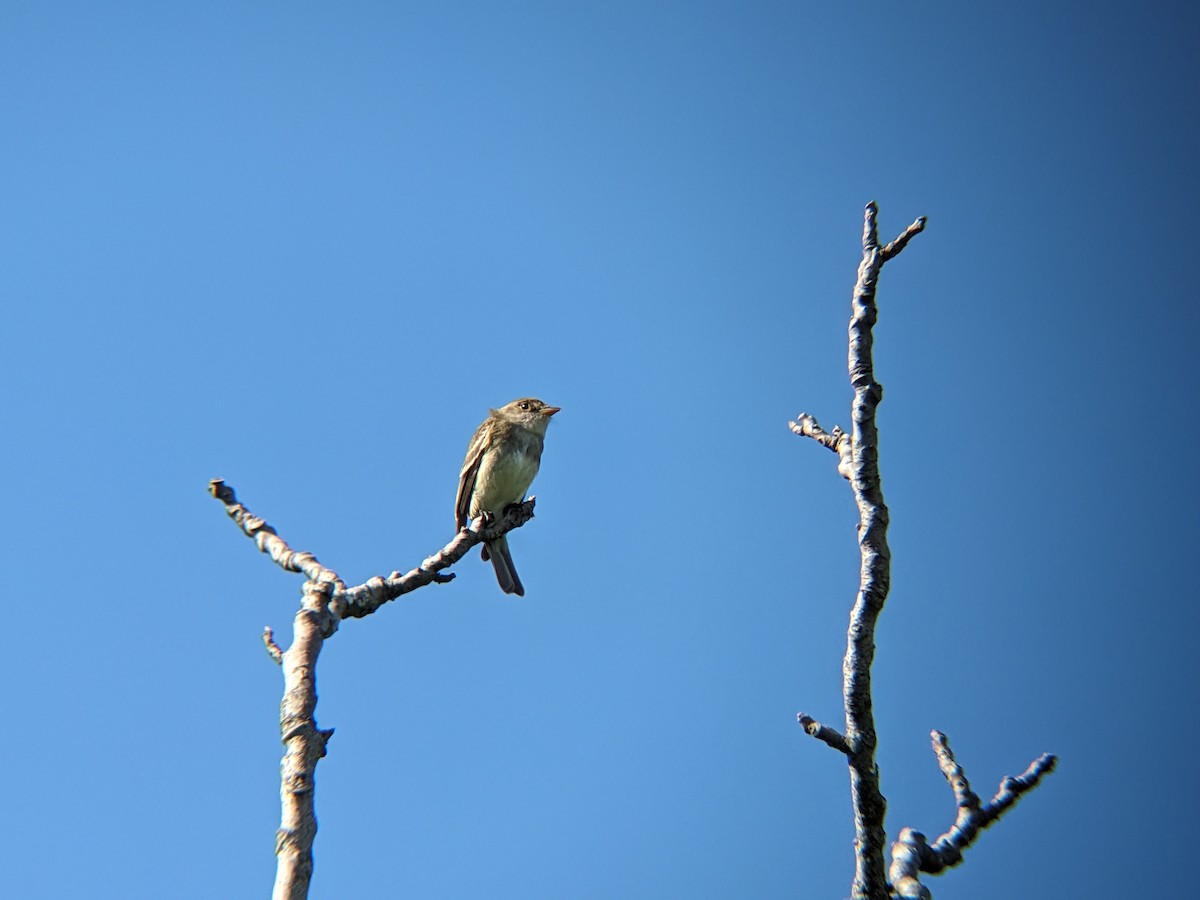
x: 899, y: 243
x: 824, y: 734
x: 837, y: 440
x: 326, y: 602
x: 273, y: 650
x: 268, y: 540
x: 367, y: 597
x: 911, y: 853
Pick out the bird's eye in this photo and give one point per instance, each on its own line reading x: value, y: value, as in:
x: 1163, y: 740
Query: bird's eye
x: 524, y: 406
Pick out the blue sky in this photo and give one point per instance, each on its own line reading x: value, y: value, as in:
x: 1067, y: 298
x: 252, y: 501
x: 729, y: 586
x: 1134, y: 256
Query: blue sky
x: 304, y: 247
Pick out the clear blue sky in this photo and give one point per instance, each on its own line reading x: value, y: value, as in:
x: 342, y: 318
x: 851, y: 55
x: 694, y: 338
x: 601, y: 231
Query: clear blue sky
x: 303, y: 247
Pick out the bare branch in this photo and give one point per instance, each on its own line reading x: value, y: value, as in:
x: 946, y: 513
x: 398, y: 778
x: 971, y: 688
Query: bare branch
x: 911, y: 853
x: 824, y: 734
x: 303, y: 742
x: 268, y: 540
x: 837, y: 440
x: 972, y: 816
x: 325, y: 603
x: 870, y: 806
x: 367, y: 597
x: 363, y: 599
x: 899, y: 243
x: 858, y: 455
x: 272, y: 648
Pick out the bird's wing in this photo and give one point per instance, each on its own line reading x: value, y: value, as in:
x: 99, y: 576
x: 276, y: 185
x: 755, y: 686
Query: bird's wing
x: 466, y: 478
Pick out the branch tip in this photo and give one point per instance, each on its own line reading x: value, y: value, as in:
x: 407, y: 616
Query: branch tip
x: 831, y: 737
x: 267, y: 539
x: 268, y: 639
x: 908, y: 234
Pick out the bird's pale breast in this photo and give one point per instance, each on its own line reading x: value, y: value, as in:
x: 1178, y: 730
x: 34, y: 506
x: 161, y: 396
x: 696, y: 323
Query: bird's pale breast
x: 503, y: 479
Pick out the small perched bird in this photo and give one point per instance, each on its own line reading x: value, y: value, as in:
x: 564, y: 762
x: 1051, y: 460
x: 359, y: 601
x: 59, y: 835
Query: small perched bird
x: 502, y: 460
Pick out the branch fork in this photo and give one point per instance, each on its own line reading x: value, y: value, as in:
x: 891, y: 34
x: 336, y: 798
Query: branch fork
x: 326, y: 602
x: 912, y: 854
x: 363, y: 599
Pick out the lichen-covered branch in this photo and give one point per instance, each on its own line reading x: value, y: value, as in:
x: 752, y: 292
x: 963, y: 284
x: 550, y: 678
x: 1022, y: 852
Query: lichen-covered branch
x: 911, y: 854
x: 325, y: 603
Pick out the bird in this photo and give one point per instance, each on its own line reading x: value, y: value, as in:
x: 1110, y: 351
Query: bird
x: 502, y: 459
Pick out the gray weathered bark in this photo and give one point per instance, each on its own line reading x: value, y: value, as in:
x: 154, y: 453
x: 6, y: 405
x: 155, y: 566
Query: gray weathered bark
x: 858, y: 462
x: 325, y: 603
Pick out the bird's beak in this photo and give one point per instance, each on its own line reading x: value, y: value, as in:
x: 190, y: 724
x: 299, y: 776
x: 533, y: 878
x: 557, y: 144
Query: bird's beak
x: 548, y: 411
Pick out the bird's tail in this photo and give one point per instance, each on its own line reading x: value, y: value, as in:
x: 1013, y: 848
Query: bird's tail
x: 502, y: 562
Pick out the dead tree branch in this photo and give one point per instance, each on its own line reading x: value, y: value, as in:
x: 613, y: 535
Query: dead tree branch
x: 326, y: 601
x: 837, y: 441
x: 823, y: 733
x: 911, y: 854
x: 858, y: 461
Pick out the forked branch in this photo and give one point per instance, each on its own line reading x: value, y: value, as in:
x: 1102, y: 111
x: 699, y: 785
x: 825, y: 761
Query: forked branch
x: 858, y: 461
x: 363, y: 599
x: 325, y: 603
x: 911, y: 854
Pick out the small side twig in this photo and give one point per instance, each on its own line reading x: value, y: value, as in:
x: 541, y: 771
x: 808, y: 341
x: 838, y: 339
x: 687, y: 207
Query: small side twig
x: 909, y: 233
x: 837, y: 440
x: 273, y: 650
x: 823, y: 733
